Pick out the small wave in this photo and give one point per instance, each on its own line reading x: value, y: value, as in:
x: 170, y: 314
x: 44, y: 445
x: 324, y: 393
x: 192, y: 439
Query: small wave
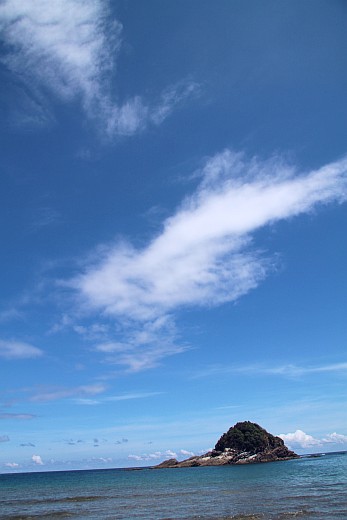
x: 294, y: 514
x: 252, y: 516
x: 42, y: 516
x: 247, y: 517
x: 59, y: 500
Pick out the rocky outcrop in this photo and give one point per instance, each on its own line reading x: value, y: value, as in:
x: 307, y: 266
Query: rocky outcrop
x: 244, y: 443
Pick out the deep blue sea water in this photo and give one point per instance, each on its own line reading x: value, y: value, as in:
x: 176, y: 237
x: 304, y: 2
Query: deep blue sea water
x: 312, y: 488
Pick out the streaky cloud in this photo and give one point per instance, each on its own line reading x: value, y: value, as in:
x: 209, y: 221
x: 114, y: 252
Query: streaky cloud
x: 203, y: 255
x: 63, y: 393
x: 17, y: 416
x: 70, y: 48
x: 116, y: 398
x: 12, y: 349
x: 287, y: 370
x: 127, y: 397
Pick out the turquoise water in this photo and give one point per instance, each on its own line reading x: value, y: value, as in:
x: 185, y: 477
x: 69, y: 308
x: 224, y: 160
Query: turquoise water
x: 313, y: 488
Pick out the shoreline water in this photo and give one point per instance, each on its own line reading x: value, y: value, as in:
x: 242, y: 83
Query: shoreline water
x: 313, y: 488
x: 141, y: 468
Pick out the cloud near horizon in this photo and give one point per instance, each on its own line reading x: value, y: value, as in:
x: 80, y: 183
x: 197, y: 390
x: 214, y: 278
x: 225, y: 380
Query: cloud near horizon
x: 69, y: 48
x: 300, y: 439
x: 37, y: 460
x: 168, y: 454
x: 12, y: 465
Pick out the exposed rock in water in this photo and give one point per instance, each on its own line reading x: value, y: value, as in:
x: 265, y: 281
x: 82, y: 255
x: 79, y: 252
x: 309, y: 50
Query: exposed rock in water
x: 244, y: 443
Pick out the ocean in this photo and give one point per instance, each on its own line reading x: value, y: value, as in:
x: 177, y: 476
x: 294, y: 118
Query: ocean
x: 312, y: 488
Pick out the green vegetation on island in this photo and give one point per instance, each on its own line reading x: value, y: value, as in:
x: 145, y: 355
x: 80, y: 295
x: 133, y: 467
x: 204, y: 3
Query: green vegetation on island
x: 243, y: 443
x: 248, y: 436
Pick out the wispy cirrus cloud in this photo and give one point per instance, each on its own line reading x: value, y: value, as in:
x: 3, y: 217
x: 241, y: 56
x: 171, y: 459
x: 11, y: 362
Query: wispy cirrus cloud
x: 44, y: 217
x: 70, y: 48
x: 143, y: 344
x: 203, y: 256
x: 63, y: 393
x: 10, y: 314
x: 116, y: 398
x: 17, y: 416
x: 11, y: 349
x: 288, y: 370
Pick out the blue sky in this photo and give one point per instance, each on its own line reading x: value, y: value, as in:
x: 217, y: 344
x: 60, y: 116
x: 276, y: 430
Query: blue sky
x: 173, y: 203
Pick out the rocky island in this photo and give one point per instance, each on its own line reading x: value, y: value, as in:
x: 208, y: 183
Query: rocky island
x: 243, y: 443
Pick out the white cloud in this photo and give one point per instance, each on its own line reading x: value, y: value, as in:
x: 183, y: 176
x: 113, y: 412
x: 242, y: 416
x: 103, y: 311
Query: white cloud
x: 96, y: 331
x: 37, y: 460
x: 143, y: 344
x: 143, y: 357
x: 202, y: 256
x: 135, y: 457
x: 10, y: 314
x: 18, y: 350
x: 86, y: 402
x: 12, y: 465
x: 288, y: 370
x: 171, y: 97
x: 126, y: 397
x: 17, y: 416
x: 63, y: 393
x: 106, y: 460
x: 168, y: 454
x: 187, y: 453
x: 297, y: 371
x: 70, y: 48
x: 62, y: 45
x: 299, y: 439
x: 115, y: 398
x: 336, y: 438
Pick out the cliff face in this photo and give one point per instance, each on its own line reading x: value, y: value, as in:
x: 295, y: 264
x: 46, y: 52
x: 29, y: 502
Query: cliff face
x: 244, y: 443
